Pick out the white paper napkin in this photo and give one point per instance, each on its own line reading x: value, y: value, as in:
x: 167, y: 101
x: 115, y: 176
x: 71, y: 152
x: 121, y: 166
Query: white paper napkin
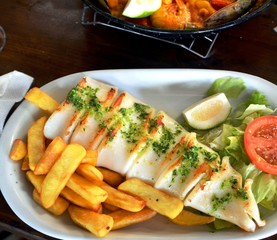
x: 13, y: 87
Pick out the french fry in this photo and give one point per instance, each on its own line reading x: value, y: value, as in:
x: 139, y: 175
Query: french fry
x: 155, y: 199
x: 19, y: 150
x: 60, y: 173
x: 36, y: 142
x: 66, y: 193
x: 98, y: 224
x: 86, y: 189
x: 50, y: 156
x: 25, y: 163
x: 41, y: 99
x: 76, y: 199
x: 91, y: 157
x: 111, y: 177
x: 109, y: 207
x: 90, y: 172
x: 122, y: 200
x: 123, y: 218
x: 187, y: 218
x: 118, y: 198
x: 36, y: 180
x: 58, y: 208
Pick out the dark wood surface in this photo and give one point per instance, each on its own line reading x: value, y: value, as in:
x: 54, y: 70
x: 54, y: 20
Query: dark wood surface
x: 47, y: 40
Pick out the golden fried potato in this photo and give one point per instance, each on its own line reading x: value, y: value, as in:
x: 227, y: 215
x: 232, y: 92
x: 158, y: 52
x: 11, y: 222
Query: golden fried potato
x: 109, y: 207
x: 41, y: 99
x: 91, y: 157
x: 25, y: 163
x: 19, y: 150
x: 90, y: 172
x: 122, y: 200
x: 59, y: 206
x: 118, y: 198
x: 187, y: 218
x: 111, y: 177
x: 50, y: 156
x: 60, y: 173
x: 98, y: 224
x: 36, y: 142
x: 36, y: 180
x: 86, y: 189
x: 76, y: 199
x: 123, y: 218
x: 155, y: 199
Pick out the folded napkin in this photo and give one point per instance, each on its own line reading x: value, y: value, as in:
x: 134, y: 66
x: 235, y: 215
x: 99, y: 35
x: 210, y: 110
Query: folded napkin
x: 13, y: 87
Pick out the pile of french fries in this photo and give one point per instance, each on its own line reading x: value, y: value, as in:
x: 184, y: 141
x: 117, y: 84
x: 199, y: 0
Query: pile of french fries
x: 65, y: 178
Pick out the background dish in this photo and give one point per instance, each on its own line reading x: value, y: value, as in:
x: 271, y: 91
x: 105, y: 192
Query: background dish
x: 167, y: 89
x: 256, y: 9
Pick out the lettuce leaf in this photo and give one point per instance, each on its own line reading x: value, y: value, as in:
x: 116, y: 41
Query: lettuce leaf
x: 264, y: 185
x: 231, y: 86
x: 255, y: 98
x: 257, y: 109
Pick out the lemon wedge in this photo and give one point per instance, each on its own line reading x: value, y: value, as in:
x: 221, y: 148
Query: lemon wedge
x: 141, y: 8
x: 209, y: 112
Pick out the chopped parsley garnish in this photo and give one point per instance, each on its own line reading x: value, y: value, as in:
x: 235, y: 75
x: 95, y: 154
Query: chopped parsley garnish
x: 221, y: 202
x: 189, y: 161
x: 142, y: 110
x: 161, y: 145
x: 133, y: 133
x: 241, y: 193
x: 232, y: 182
x: 83, y: 97
x: 209, y: 156
x: 133, y: 121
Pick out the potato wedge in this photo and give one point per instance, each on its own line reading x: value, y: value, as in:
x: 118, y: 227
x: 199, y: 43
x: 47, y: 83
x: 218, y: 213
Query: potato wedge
x: 91, y: 157
x: 111, y: 177
x: 50, y: 156
x: 90, y: 172
x: 155, y: 199
x: 86, y: 189
x: 98, y: 224
x: 41, y: 99
x: 76, y: 199
x: 60, y: 173
x: 58, y: 208
x: 187, y: 218
x: 123, y: 218
x: 36, y: 142
x: 19, y: 150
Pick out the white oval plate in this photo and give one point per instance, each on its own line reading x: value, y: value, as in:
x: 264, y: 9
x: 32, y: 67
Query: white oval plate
x: 168, y: 89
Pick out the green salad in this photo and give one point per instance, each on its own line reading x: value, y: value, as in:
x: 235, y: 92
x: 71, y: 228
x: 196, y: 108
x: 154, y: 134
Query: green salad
x: 228, y: 140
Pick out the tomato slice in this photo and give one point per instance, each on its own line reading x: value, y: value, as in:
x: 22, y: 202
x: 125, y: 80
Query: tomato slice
x: 260, y: 142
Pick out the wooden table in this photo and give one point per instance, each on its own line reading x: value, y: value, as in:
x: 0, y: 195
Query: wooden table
x: 46, y: 39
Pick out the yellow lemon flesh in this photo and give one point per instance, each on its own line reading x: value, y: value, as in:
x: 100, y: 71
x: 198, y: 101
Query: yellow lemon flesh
x: 141, y: 8
x: 209, y: 112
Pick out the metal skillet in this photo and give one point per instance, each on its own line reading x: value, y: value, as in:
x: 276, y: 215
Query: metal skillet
x: 230, y: 16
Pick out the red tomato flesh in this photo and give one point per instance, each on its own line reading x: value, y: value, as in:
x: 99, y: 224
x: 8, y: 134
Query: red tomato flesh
x: 260, y: 142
